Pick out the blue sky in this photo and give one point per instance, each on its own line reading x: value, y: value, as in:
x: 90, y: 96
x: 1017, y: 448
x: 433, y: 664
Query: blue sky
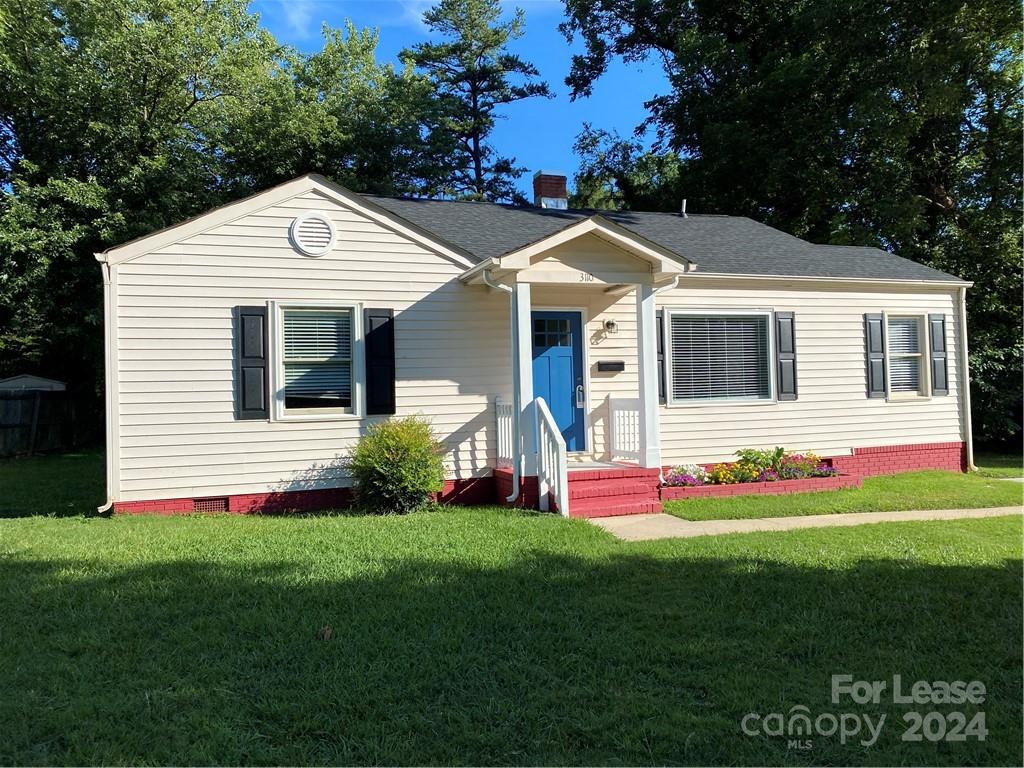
x: 539, y: 133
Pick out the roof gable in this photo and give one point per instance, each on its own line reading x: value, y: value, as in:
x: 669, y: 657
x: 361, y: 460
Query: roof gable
x: 230, y: 212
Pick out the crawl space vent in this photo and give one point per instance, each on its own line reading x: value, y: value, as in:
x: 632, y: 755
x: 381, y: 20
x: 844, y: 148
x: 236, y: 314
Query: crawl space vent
x: 210, y: 505
x: 312, y: 233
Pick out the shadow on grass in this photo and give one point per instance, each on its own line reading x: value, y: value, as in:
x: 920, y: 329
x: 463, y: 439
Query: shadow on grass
x: 624, y: 659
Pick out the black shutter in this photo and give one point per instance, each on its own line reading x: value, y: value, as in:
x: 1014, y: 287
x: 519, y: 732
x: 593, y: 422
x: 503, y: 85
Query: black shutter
x: 940, y: 369
x: 660, y: 321
x: 785, y: 355
x: 874, y: 347
x: 379, y: 331
x: 251, y: 384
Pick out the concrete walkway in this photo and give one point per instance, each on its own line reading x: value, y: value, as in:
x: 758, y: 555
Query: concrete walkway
x: 662, y: 526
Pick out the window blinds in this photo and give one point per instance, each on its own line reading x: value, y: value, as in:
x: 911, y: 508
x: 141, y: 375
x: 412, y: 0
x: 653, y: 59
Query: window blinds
x: 317, y: 358
x: 719, y: 356
x: 904, y: 354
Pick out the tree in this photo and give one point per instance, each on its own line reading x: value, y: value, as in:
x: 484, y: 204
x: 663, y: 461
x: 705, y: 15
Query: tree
x: 341, y: 113
x: 110, y: 114
x: 617, y: 173
x: 894, y: 125
x: 120, y: 117
x: 474, y: 73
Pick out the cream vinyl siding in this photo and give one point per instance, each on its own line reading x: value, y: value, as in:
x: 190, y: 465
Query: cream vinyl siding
x: 177, y: 434
x: 586, y: 260
x: 832, y: 414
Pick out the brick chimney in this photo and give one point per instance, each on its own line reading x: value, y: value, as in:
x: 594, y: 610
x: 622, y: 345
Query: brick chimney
x: 550, y: 190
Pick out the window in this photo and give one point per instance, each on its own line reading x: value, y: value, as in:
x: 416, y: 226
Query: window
x: 551, y: 332
x: 719, y: 357
x: 316, y: 357
x: 906, y: 354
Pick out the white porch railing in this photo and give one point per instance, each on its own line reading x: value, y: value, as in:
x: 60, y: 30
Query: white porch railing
x: 624, y: 428
x: 505, y: 428
x: 552, y: 465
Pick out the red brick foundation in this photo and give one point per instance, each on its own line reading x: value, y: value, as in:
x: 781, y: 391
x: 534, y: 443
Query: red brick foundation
x: 864, y: 462
x: 529, y: 490
x: 468, y: 491
x: 890, y: 459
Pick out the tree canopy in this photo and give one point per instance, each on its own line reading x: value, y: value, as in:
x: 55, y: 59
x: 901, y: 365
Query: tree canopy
x: 120, y: 117
x: 894, y: 125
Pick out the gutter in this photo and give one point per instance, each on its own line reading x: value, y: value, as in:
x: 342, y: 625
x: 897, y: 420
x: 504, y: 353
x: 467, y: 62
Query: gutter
x: 485, y: 267
x: 517, y: 461
x: 965, y: 380
x: 853, y: 280
x: 668, y: 287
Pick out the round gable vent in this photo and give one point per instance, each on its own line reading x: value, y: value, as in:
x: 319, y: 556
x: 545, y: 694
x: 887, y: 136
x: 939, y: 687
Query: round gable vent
x: 312, y: 233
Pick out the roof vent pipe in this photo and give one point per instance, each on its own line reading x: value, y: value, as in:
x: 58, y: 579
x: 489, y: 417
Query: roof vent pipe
x: 682, y: 209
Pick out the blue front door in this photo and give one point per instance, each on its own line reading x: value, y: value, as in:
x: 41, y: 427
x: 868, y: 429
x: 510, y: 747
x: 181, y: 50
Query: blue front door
x: 558, y: 371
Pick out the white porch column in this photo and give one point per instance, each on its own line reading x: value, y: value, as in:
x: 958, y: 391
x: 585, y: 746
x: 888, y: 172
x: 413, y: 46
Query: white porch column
x: 647, y: 366
x: 523, y: 376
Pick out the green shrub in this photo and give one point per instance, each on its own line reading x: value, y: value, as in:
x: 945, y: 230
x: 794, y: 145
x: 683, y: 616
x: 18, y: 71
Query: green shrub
x: 765, y: 460
x: 397, y: 465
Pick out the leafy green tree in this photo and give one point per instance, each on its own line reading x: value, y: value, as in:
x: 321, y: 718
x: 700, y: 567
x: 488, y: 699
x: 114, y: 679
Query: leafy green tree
x: 107, y: 126
x: 119, y: 117
x: 618, y: 173
x: 895, y: 125
x: 340, y: 113
x: 474, y: 74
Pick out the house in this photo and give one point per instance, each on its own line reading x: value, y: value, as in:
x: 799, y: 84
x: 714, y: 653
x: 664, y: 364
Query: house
x: 564, y: 356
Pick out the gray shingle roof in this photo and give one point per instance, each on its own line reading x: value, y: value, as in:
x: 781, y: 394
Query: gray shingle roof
x: 732, y: 245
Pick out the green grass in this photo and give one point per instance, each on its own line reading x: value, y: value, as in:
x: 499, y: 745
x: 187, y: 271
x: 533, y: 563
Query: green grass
x: 483, y: 636
x: 911, y: 490
x: 999, y: 464
x: 59, y: 485
x: 486, y: 636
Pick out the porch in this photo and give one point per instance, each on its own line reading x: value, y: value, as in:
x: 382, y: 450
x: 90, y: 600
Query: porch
x: 578, y: 432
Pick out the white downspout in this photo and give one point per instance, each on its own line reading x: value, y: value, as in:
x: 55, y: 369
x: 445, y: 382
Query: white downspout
x: 965, y: 381
x: 108, y: 373
x: 517, y: 460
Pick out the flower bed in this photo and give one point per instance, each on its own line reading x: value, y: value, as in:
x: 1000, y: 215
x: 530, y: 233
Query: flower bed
x: 776, y: 487
x: 772, y: 471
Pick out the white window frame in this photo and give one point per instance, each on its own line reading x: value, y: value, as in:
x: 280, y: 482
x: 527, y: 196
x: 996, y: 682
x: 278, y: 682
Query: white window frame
x: 670, y: 399
x: 279, y: 412
x: 924, y: 391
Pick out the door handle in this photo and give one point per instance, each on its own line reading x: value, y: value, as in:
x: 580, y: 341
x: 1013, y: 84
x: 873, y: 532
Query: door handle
x: 581, y: 400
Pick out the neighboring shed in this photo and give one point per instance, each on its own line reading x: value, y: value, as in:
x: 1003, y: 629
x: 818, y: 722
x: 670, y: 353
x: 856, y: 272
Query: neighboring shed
x: 28, y: 383
x: 35, y: 415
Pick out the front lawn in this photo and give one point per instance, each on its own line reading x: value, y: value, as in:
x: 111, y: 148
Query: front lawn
x: 485, y: 636
x: 57, y: 485
x: 933, y: 489
x: 999, y: 464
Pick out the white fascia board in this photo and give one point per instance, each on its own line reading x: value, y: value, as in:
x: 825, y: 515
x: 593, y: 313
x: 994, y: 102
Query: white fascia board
x: 225, y: 214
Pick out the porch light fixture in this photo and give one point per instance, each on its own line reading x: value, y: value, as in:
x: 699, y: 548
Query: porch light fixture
x: 611, y: 326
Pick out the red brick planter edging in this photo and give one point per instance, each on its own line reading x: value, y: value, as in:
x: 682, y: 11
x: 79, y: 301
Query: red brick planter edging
x: 777, y: 488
